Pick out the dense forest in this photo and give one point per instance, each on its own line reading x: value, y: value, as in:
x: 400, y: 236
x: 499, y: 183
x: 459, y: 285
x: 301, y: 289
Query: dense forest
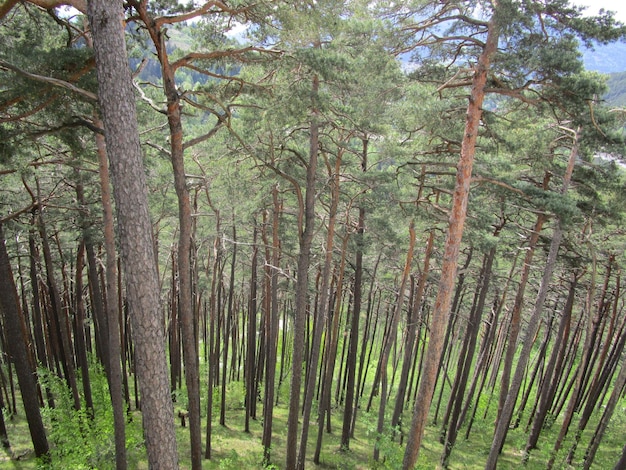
x: 289, y: 234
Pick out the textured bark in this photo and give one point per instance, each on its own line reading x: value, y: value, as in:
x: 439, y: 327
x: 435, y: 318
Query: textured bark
x: 135, y: 231
x: 14, y: 329
x: 458, y: 213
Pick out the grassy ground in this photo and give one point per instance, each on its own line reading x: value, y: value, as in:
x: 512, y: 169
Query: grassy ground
x: 234, y: 449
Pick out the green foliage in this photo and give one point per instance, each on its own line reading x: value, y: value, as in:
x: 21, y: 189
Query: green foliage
x: 83, y: 439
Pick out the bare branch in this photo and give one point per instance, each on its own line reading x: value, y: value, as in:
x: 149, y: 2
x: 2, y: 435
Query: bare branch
x: 214, y: 6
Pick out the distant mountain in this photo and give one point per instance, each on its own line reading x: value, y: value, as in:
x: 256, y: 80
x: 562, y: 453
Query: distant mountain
x: 606, y: 59
x: 617, y: 90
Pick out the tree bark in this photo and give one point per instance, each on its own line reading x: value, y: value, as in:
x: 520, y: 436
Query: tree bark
x: 505, y: 416
x: 117, y: 103
x: 458, y: 213
x: 113, y: 313
x: 305, y: 234
x: 14, y: 329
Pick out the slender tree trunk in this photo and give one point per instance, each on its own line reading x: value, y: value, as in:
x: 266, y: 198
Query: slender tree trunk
x: 505, y: 416
x: 122, y: 139
x: 59, y: 317
x: 458, y: 214
x: 79, y: 330
x: 411, y: 336
x: 466, y: 357
x: 322, y: 312
x: 15, y: 328
x: 391, y: 337
x: 306, y: 228
x: 516, y: 314
x: 113, y: 313
x: 251, y: 391
x: 548, y: 390
x: 331, y: 355
x: 618, y: 389
x: 346, y: 431
x: 271, y: 330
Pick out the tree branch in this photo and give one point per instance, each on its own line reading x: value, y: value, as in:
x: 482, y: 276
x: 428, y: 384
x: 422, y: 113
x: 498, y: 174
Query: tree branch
x: 50, y: 80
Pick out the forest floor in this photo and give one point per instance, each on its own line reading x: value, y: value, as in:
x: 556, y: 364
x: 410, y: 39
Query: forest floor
x: 234, y: 449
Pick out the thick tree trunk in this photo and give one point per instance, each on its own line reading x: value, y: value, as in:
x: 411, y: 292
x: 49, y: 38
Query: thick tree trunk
x: 122, y: 140
x: 458, y: 214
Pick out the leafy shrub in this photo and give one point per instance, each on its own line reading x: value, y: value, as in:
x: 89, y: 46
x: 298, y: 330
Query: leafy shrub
x: 77, y: 439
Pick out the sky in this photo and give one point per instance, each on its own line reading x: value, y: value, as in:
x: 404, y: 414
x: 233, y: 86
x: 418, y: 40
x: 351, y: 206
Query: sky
x: 593, y: 6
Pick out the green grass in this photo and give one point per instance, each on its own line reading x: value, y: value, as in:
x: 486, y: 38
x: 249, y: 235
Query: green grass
x: 232, y: 448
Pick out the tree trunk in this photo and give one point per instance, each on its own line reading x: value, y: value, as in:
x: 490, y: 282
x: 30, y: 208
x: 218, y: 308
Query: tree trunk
x: 306, y: 229
x: 187, y: 321
x: 346, y: 431
x: 548, y: 389
x: 504, y: 418
x: 271, y: 329
x: 321, y: 313
x: 411, y: 338
x: 14, y: 329
x: 251, y: 391
x: 79, y: 330
x: 466, y: 357
x: 391, y: 337
x: 113, y: 313
x: 618, y: 389
x: 458, y: 214
x: 59, y: 318
x: 116, y: 98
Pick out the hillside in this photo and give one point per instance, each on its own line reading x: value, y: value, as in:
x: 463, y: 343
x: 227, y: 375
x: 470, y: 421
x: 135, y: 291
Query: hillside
x: 617, y: 89
x: 606, y: 59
